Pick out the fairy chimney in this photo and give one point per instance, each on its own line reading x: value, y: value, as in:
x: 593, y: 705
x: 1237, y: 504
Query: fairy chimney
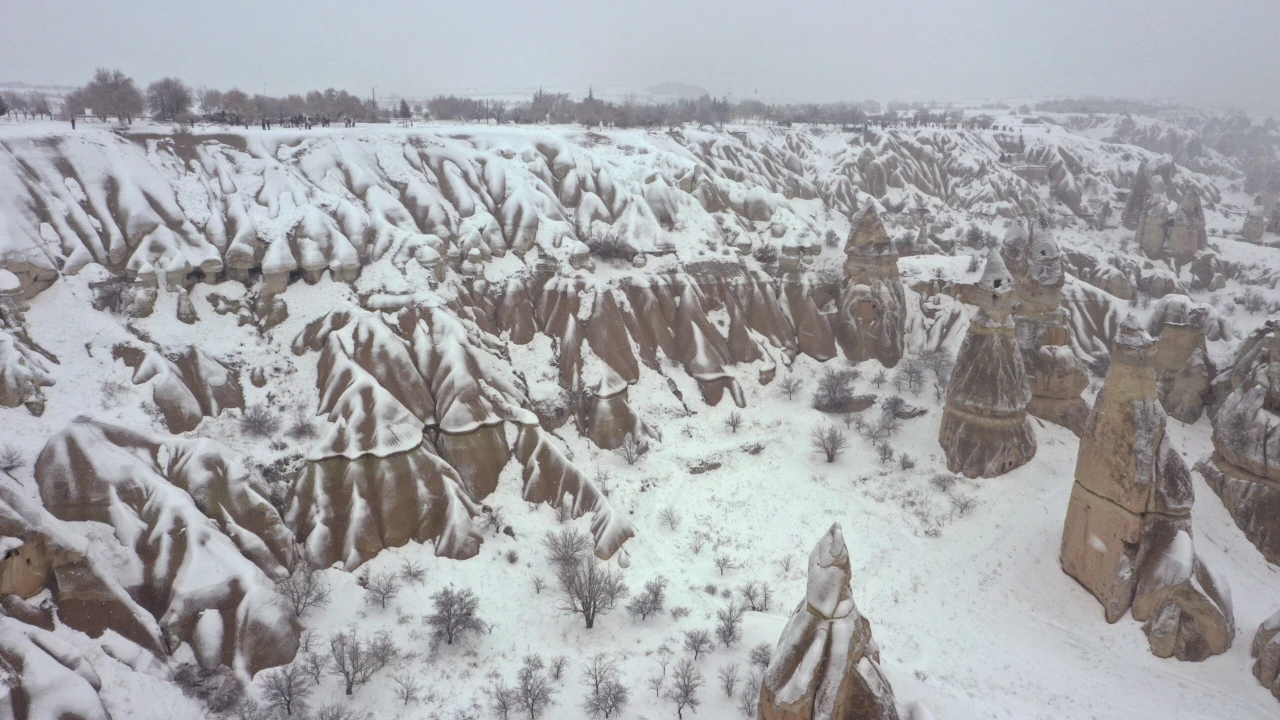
x: 985, y: 430
x: 872, y: 321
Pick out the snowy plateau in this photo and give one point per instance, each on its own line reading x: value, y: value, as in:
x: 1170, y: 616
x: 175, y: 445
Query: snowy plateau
x: 400, y: 370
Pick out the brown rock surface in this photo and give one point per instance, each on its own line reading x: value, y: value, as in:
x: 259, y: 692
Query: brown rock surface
x: 826, y: 664
x: 872, y: 320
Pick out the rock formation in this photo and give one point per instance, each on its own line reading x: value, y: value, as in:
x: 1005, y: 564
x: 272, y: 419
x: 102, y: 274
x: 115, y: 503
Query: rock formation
x: 872, y: 321
x: 985, y: 430
x: 1165, y: 230
x: 45, y: 677
x: 24, y: 365
x: 1185, y: 390
x: 826, y: 664
x: 1244, y: 469
x: 1127, y: 537
x: 1056, y: 375
x: 208, y: 540
x: 1266, y: 654
x: 186, y: 389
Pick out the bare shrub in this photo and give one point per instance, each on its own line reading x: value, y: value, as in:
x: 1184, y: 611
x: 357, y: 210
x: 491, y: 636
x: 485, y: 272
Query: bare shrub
x: 911, y: 376
x: 495, y: 519
x: 879, y: 379
x: 724, y: 562
x: 412, y: 572
x: 963, y: 504
x: 632, y: 449
x: 305, y: 589
x: 729, y: 624
x: 502, y: 700
x: 1254, y: 301
x: 259, y: 421
x: 885, y: 453
x: 728, y: 675
x: 607, y: 246
x: 382, y: 588
x: 761, y: 655
x: 301, y: 427
x: 456, y: 613
x: 249, y: 709
x: 357, y: 659
x: 669, y: 517
x: 700, y: 538
x: 756, y: 596
x: 407, y: 687
x: 686, y: 680
x: 790, y: 385
x: 218, y: 689
x: 679, y: 613
x: 829, y: 441
x: 539, y: 584
x: 512, y: 556
x: 906, y: 462
x: 336, y: 711
x: 943, y: 482
x: 733, y: 421
x: 590, y: 588
x: 651, y: 601
x: 286, y: 688
x: 567, y: 547
x: 11, y: 458
x: 697, y: 642
x: 766, y: 254
x: 556, y: 668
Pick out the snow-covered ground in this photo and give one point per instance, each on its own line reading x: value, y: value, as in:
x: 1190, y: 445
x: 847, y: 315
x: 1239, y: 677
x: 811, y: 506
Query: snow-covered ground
x: 962, y: 585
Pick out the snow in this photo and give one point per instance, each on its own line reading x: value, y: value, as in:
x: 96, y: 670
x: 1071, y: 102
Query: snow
x: 977, y: 623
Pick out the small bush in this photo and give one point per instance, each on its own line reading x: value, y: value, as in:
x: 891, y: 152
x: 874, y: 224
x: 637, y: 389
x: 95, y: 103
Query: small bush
x: 11, y: 458
x: 906, y: 461
x: 512, y: 557
x: 258, y: 421
x: 761, y: 655
x: 679, y: 613
x: 943, y: 482
x: 632, y: 449
x: 829, y: 441
x: 301, y: 427
x: 670, y: 518
x: 766, y: 254
x: 733, y: 421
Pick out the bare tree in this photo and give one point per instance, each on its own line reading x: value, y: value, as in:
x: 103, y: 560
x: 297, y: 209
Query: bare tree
x: 336, y: 711
x: 606, y: 695
x: 533, y: 689
x: 669, y: 517
x: 829, y: 441
x: 286, y: 688
x: 724, y: 562
x: 651, y: 601
x: 761, y: 655
x: 697, y: 642
x: 567, y: 547
x: 749, y: 698
x: 502, y: 700
x: 305, y: 589
x: 729, y: 624
x: 248, y: 709
x: 835, y: 390
x: 111, y: 93
x: 756, y: 596
x: 407, y: 687
x: 455, y: 614
x: 557, y: 667
x: 356, y: 659
x: 590, y: 588
x: 316, y: 665
x: 539, y: 584
x: 728, y: 675
x: 632, y: 449
x: 686, y: 680
x: 880, y: 378
x: 382, y: 588
x: 168, y: 98
x: 412, y: 572
x: 790, y: 385
x: 734, y: 421
x: 885, y: 452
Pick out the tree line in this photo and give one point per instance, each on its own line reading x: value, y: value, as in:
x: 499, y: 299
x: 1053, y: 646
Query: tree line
x: 111, y: 94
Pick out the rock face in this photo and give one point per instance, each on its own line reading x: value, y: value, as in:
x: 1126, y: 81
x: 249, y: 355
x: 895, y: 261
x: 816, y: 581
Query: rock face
x: 1165, y: 230
x: 826, y: 664
x: 1185, y: 391
x: 1266, y: 654
x: 985, y: 431
x: 873, y: 312
x: 47, y: 678
x: 208, y: 540
x: 188, y: 388
x: 1244, y: 469
x: 1127, y: 537
x: 417, y: 409
x: 1056, y: 375
x: 24, y: 365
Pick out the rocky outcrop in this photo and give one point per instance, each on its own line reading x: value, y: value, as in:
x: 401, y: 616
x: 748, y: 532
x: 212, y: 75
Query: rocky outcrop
x: 873, y: 312
x: 826, y: 664
x: 24, y: 365
x: 1054, y: 371
x: 1185, y: 391
x: 1127, y: 537
x: 45, y: 677
x: 42, y: 552
x: 1266, y: 654
x: 1244, y: 469
x: 417, y: 407
x: 1164, y: 229
x: 208, y: 540
x: 187, y: 388
x: 985, y: 431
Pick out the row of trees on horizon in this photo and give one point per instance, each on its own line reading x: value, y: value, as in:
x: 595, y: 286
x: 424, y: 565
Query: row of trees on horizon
x: 111, y: 94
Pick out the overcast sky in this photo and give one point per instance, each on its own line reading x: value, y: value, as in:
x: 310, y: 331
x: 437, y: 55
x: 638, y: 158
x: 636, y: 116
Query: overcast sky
x: 1222, y: 52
